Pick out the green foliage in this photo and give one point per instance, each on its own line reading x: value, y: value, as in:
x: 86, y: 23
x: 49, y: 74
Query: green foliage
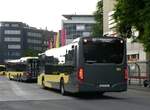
x: 134, y: 13
x: 97, y: 30
x: 30, y: 52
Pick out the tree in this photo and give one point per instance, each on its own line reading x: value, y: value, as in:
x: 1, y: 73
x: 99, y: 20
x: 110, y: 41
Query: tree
x: 97, y: 29
x: 30, y: 52
x: 134, y: 13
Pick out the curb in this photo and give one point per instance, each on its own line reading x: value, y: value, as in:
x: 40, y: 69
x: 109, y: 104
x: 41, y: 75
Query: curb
x: 138, y: 87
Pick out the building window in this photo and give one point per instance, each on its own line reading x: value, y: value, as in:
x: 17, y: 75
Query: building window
x: 37, y: 48
x: 9, y: 32
x: 14, y: 54
x: 6, y: 25
x: 133, y: 57
x: 12, y: 39
x: 14, y: 25
x: 80, y: 27
x: 33, y: 34
x: 34, y: 41
x: 14, y: 46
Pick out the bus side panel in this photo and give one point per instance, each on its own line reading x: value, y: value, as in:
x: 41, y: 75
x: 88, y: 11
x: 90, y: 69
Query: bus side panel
x: 52, y: 81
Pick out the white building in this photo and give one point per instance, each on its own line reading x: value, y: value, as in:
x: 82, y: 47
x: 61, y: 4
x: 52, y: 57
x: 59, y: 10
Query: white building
x: 77, y: 26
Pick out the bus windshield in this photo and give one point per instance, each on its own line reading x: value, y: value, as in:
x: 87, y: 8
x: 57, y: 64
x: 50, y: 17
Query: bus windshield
x: 103, y: 51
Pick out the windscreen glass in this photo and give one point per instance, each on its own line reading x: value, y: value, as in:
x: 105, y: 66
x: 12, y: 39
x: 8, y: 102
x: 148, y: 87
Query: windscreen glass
x: 103, y: 51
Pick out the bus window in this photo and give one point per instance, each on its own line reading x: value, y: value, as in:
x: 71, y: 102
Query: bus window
x: 2, y: 68
x: 16, y: 67
x: 103, y: 52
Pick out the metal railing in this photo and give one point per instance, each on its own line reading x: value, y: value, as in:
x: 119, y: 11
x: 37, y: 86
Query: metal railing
x: 138, y: 72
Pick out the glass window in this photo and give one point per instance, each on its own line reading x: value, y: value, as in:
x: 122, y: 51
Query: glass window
x: 15, y: 25
x: 16, y: 67
x: 2, y: 68
x: 6, y: 25
x: 34, y: 41
x: 103, y: 51
x: 34, y: 34
x: 12, y: 39
x: 15, y: 32
x: 14, y: 46
x: 133, y: 57
x: 14, y: 53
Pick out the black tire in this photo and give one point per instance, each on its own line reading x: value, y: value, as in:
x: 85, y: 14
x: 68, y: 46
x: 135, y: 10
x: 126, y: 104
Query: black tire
x: 62, y: 87
x: 43, y: 85
x: 20, y: 80
x: 145, y: 85
x: 9, y: 77
x: 17, y: 78
x: 101, y: 93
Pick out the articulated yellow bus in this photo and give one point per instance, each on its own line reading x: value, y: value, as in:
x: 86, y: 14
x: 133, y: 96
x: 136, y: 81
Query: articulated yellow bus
x: 2, y: 69
x: 23, y: 69
x: 86, y: 65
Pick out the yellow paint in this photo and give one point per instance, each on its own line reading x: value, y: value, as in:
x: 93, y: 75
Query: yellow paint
x: 52, y: 78
x: 13, y: 74
x: 56, y: 78
x: 2, y: 72
x: 48, y: 84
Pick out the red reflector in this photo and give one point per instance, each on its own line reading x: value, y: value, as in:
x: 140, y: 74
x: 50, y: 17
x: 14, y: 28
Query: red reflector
x: 126, y: 74
x: 28, y: 74
x: 81, y: 74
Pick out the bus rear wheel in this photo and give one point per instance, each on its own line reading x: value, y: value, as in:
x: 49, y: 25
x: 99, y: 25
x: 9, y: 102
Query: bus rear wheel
x: 43, y: 85
x: 62, y: 88
x: 9, y: 76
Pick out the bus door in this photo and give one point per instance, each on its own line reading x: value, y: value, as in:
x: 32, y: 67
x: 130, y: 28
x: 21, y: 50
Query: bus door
x: 103, y: 63
x: 33, y: 68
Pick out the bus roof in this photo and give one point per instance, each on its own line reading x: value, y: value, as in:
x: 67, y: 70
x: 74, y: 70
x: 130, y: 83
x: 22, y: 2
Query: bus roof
x: 59, y: 51
x: 21, y: 60
x: 2, y: 65
x: 26, y: 58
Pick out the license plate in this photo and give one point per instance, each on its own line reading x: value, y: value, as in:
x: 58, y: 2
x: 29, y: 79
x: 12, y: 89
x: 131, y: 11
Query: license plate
x: 104, y: 85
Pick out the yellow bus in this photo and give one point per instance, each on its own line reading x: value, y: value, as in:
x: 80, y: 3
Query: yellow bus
x: 86, y: 65
x: 2, y: 69
x: 23, y: 69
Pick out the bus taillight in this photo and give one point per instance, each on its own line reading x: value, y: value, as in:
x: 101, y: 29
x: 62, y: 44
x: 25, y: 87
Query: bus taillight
x: 28, y: 74
x: 80, y: 74
x: 126, y: 74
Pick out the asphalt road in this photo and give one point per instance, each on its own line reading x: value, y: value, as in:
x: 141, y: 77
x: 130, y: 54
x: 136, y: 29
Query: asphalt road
x: 29, y: 96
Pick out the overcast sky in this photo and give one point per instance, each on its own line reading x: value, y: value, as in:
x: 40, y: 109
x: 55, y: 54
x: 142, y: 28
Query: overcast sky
x: 43, y: 13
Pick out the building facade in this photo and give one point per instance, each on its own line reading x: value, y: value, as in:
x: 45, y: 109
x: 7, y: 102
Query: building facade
x: 16, y: 38
x: 108, y: 21
x: 135, y: 51
x: 77, y: 26
x: 138, y: 65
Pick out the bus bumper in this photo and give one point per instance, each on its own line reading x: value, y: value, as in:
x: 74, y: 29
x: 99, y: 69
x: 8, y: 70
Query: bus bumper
x: 118, y: 87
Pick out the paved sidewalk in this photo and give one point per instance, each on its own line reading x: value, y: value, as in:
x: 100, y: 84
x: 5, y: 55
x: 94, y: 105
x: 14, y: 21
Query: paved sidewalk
x: 139, y: 87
